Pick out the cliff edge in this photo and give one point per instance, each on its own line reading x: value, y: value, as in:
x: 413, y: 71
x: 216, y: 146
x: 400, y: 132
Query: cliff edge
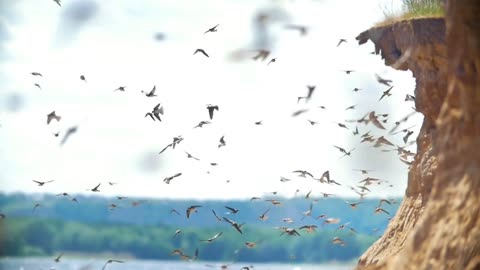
x: 438, y: 224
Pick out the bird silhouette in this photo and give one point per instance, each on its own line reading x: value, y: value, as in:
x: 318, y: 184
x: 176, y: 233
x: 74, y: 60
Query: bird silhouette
x: 53, y: 116
x: 234, y: 224
x: 121, y: 88
x: 95, y: 189
x: 382, y: 80
x: 222, y: 142
x: 273, y: 60
x: 170, y: 178
x: 213, y: 29
x: 191, y: 156
x: 213, y: 238
x: 201, y: 51
x: 70, y: 131
x: 386, y: 93
x: 264, y: 216
x: 300, y: 28
x: 340, y: 41
x: 231, y: 210
x: 201, y: 124
x: 111, y: 261
x: 36, y: 74
x: 57, y: 259
x: 151, y: 93
x: 192, y: 209
x: 216, y: 216
x: 82, y: 77
x: 40, y: 183
x: 211, y: 108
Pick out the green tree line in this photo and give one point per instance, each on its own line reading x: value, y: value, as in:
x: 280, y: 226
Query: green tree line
x: 47, y: 237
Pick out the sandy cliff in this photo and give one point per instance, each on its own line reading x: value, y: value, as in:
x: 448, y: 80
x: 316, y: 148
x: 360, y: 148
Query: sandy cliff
x: 438, y: 223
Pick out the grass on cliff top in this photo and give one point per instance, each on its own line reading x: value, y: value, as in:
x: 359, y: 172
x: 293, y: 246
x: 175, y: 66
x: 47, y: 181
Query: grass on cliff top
x: 413, y: 9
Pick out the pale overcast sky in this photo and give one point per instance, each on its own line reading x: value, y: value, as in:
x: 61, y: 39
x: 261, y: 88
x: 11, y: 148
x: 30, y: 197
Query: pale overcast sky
x: 112, y: 43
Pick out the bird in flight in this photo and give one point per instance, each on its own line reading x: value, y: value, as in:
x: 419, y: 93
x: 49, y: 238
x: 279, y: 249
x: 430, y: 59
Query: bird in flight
x: 362, y: 171
x: 82, y: 77
x: 40, y: 183
x: 111, y: 261
x: 373, y: 118
x: 348, y: 71
x: 201, y: 124
x: 38, y: 85
x: 95, y: 189
x: 298, y: 112
x: 382, y: 80
x: 170, y: 178
x: 289, y: 231
x: 264, y: 216
x: 157, y: 110
x: 342, y: 125
x: 213, y: 29
x: 35, y: 207
x: 192, y: 209
x: 53, y: 116
x: 303, y: 173
x: 353, y: 205
x: 300, y: 28
x: 409, y: 98
x: 356, y: 89
x: 234, y: 224
x: 176, y: 140
x: 191, y: 156
x: 231, y: 210
x: 213, y: 238
x: 405, y: 138
x: 341, y: 41
x: 311, y: 89
x: 58, y: 2
x: 273, y: 60
x: 57, y: 259
x: 211, y: 108
x: 350, y: 107
x: 70, y: 131
x: 216, y: 216
x: 309, y: 228
x: 177, y: 232
x: 378, y: 210
x: 221, y: 142
x: 386, y: 93
x: 201, y: 51
x: 346, y: 153
x: 382, y: 141
x: 338, y: 241
x: 36, y: 74
x: 151, y: 93
x: 121, y: 88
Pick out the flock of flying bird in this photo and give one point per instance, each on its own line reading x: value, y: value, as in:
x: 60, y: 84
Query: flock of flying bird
x: 379, y: 121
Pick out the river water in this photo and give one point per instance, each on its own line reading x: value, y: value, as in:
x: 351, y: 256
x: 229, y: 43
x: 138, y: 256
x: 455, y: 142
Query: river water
x: 89, y: 264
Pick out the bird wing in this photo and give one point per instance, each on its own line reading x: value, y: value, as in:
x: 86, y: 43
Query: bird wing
x: 163, y: 150
x: 229, y: 220
x: 97, y: 186
x: 152, y: 92
x: 374, y: 120
x: 231, y: 209
x: 215, y: 214
x: 210, y: 112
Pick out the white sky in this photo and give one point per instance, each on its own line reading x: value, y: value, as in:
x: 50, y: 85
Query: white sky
x: 116, y: 143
